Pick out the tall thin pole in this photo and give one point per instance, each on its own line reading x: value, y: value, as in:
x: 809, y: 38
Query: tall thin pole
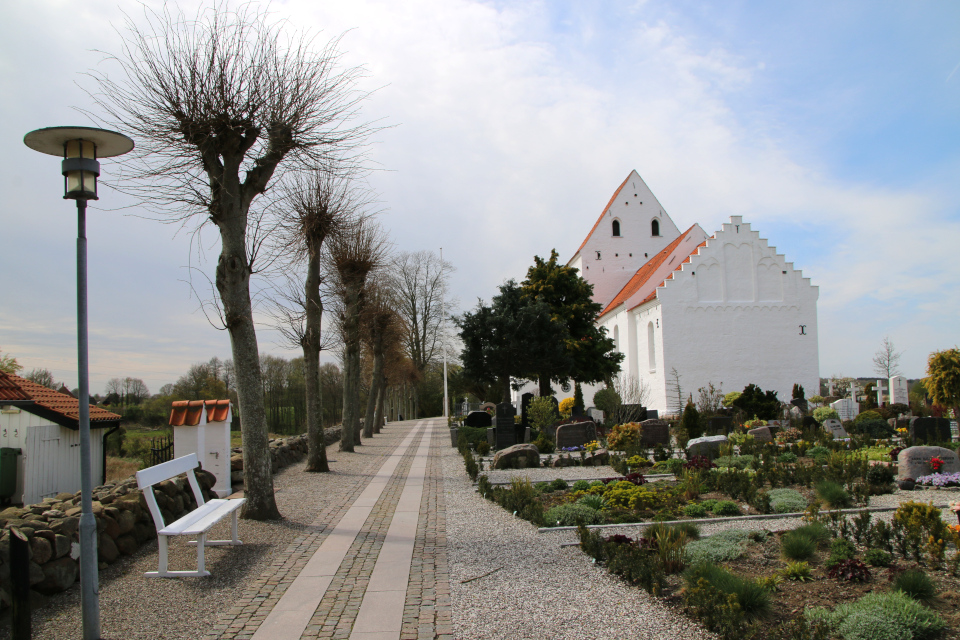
x: 443, y: 334
x: 89, y: 579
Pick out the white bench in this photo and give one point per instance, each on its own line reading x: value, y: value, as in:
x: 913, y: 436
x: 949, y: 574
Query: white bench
x: 196, y: 523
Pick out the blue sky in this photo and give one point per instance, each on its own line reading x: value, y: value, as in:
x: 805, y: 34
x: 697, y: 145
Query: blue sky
x: 831, y: 127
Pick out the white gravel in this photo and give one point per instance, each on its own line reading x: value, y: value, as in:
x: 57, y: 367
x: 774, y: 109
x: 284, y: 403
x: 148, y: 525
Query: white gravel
x: 540, y: 590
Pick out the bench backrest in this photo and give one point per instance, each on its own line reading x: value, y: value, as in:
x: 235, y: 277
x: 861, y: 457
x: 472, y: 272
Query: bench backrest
x: 150, y: 476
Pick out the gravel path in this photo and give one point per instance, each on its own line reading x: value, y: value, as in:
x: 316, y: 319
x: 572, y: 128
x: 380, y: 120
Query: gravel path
x: 539, y: 589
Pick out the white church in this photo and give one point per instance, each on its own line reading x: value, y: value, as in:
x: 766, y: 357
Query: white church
x: 725, y: 309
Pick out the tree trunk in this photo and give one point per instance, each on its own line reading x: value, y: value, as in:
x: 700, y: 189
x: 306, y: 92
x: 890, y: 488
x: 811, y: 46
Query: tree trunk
x: 351, y: 361
x: 368, y: 420
x: 379, y: 423
x: 233, y: 285
x: 545, y: 390
x: 505, y: 383
x: 316, y: 445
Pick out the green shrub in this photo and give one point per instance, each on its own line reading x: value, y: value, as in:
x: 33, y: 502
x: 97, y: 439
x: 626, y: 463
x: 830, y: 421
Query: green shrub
x: 471, y: 465
x: 694, y: 510
x: 520, y: 498
x: 753, y: 598
x: 795, y: 545
x: 822, y: 414
x: 816, y: 531
x: 688, y: 529
x: 799, y: 571
x: 787, y: 458
x: 483, y: 447
x: 875, y: 429
x: 720, y: 547
x: 709, y: 504
x: 739, y: 462
x: 818, y: 452
x: 726, y: 508
x: 470, y: 437
x: 916, y: 584
x: 833, y: 494
x: 878, y: 558
x: 870, y: 414
x: 544, y: 444
x: 880, y: 616
x: 571, y: 514
x: 593, y: 501
x: 841, y: 549
x: 559, y: 485
x: 581, y: 485
x: 786, y: 501
x: 542, y: 413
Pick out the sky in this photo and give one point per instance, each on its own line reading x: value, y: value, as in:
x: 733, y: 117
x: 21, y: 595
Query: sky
x: 832, y: 128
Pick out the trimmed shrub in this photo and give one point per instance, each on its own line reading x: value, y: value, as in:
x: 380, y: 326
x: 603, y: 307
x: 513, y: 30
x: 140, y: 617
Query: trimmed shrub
x: 822, y: 414
x: 581, y: 485
x: 559, y: 485
x: 787, y: 458
x: 880, y: 476
x: 916, y: 584
x: 833, y: 494
x: 726, y: 508
x: 818, y: 452
x: 694, y: 510
x: 880, y: 616
x: 786, y: 501
x: 569, y: 515
x: 840, y: 550
x: 720, y: 547
x: 875, y: 429
x: 878, y: 558
x: 739, y: 462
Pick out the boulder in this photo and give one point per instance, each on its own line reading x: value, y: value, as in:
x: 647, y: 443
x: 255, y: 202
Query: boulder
x: 125, y: 522
x: 42, y: 549
x: 127, y: 545
x: 58, y: 575
x: 107, y: 550
x: 67, y: 526
x: 518, y: 456
x: 61, y: 546
x: 761, y: 434
x: 597, y: 458
x: 914, y: 462
x: 706, y: 446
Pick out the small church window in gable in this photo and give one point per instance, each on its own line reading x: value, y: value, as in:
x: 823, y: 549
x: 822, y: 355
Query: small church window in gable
x: 616, y: 338
x: 616, y: 228
x: 598, y: 255
x: 655, y: 227
x: 651, y: 347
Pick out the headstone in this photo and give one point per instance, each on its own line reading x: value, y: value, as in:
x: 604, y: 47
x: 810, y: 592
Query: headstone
x: 930, y: 430
x: 492, y: 437
x: 576, y: 434
x: 719, y: 425
x: 706, y: 446
x: 577, y: 411
x: 761, y: 434
x: 595, y: 414
x: 899, y: 390
x: 835, y: 428
x: 654, y: 432
x: 846, y: 408
x: 552, y: 429
x: 524, y: 405
x: 800, y: 403
x: 914, y: 462
x: 653, y: 414
x: 506, y: 429
x: 478, y: 419
x: 518, y: 456
x: 453, y: 436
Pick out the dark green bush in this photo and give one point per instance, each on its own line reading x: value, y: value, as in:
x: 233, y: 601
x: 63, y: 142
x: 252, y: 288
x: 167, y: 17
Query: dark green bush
x: 636, y: 565
x: 470, y: 437
x: 726, y: 508
x: 880, y: 477
x: 840, y: 550
x: 581, y: 485
x: 754, y: 401
x: 520, y: 498
x: 483, y: 447
x: 816, y: 531
x: 875, y: 429
x: 471, y: 465
x: 688, y: 529
x: 794, y: 545
x: 571, y: 514
x: 833, y: 494
x: 916, y: 584
x: 559, y: 485
x: 754, y: 599
x: 787, y: 458
x: 694, y: 510
x: 878, y: 558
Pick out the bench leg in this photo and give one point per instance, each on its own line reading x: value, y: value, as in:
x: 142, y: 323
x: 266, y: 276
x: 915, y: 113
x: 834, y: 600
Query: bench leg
x: 200, y: 558
x: 162, y: 543
x: 233, y: 526
x: 164, y: 572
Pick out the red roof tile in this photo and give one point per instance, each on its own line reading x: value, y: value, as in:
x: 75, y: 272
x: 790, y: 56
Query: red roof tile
x: 47, y: 403
x: 602, y: 213
x: 217, y: 410
x: 644, y: 273
x: 186, y: 413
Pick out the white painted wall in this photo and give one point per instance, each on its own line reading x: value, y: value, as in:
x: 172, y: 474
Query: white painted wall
x: 732, y: 316
x: 50, y: 460
x: 634, y: 205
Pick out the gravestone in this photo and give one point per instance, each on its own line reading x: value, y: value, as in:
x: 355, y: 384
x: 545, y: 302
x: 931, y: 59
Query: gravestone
x: 706, y: 446
x: 654, y: 432
x: 835, y: 428
x: 800, y: 403
x: 930, y: 430
x: 576, y: 434
x: 506, y: 429
x: 478, y: 419
x: 914, y: 462
x: 577, y: 412
x: 453, y: 436
x: 595, y: 414
x: 899, y: 390
x: 846, y: 408
x: 719, y: 425
x: 492, y: 437
x: 524, y: 405
x: 761, y: 434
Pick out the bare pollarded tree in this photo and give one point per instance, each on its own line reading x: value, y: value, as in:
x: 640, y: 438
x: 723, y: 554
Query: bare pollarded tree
x: 382, y: 330
x: 218, y: 104
x: 315, y: 206
x: 352, y: 257
x: 419, y: 281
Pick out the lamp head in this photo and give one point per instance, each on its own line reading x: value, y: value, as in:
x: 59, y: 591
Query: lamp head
x: 79, y: 147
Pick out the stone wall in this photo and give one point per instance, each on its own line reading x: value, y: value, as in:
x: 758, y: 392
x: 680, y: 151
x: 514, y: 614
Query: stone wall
x: 124, y: 523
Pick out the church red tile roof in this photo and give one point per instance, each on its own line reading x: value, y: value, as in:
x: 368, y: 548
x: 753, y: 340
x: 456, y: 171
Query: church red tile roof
x: 47, y: 403
x: 644, y: 273
x: 603, y: 213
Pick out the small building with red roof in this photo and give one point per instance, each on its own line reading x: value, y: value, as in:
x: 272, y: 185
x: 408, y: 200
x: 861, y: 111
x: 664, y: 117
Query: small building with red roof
x: 44, y: 425
x: 725, y: 309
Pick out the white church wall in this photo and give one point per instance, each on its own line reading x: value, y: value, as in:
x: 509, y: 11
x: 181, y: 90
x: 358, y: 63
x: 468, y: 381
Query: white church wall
x: 634, y: 206
x: 753, y: 319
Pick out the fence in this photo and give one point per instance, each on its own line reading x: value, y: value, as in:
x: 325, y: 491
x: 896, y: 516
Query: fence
x: 161, y: 450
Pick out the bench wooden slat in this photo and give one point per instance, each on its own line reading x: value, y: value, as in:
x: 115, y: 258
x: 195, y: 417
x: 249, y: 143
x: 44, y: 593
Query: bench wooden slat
x: 166, y: 470
x: 202, y: 518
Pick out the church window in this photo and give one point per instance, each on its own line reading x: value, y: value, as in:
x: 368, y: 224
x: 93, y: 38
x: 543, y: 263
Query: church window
x: 616, y: 228
x: 655, y: 227
x: 651, y: 347
x: 616, y: 338
x: 598, y: 255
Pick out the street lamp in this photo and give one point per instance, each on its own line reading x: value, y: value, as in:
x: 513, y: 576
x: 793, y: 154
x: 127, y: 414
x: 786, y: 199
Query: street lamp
x: 80, y: 147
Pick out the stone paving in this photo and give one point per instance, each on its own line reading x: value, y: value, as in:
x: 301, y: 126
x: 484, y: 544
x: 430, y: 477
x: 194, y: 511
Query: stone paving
x: 423, y: 580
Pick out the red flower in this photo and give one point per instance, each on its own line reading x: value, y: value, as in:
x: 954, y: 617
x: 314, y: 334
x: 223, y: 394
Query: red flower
x: 935, y: 464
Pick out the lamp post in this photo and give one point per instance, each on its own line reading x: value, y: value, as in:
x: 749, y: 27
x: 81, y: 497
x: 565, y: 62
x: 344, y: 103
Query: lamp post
x: 443, y: 336
x: 80, y: 147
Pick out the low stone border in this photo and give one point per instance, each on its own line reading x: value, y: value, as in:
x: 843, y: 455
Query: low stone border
x: 762, y: 516
x: 652, y: 476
